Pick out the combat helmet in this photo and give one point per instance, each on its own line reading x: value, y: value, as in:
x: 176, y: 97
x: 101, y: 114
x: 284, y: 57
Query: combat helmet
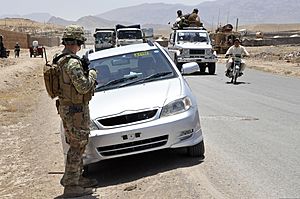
x: 72, y: 34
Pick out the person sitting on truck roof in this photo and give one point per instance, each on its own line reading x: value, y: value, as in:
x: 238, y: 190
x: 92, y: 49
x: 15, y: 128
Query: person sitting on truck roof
x: 181, y: 20
x: 179, y: 16
x: 194, y: 19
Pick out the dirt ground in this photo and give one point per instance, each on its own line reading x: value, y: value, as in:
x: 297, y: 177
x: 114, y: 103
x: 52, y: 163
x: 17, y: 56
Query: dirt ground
x: 31, y: 160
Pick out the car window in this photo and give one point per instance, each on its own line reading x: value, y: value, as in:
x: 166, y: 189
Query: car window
x: 133, y: 67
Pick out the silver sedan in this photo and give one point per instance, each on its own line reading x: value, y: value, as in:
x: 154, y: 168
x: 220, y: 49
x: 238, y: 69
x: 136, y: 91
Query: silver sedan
x: 142, y: 103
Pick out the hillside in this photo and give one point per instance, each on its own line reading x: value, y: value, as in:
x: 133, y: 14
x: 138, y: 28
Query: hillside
x: 212, y: 12
x: 28, y: 26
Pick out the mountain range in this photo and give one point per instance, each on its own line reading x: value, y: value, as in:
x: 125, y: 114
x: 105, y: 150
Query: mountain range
x: 211, y: 13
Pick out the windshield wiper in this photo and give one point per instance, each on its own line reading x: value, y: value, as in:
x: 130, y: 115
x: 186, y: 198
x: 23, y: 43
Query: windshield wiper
x: 116, y: 81
x: 150, y: 77
x: 156, y: 75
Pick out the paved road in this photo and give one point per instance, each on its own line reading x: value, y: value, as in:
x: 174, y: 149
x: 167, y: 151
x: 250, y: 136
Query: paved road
x: 252, y: 133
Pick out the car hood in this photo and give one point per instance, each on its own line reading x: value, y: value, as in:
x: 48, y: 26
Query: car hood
x: 194, y: 45
x: 135, y: 97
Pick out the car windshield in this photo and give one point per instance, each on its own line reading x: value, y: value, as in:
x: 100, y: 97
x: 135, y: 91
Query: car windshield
x: 132, y: 68
x: 192, y: 37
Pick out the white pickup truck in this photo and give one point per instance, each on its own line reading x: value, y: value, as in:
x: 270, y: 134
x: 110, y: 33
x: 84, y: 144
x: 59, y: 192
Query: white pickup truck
x: 192, y: 44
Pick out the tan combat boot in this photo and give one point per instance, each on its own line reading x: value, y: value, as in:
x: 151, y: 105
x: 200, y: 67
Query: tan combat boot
x: 76, y: 191
x: 87, y: 183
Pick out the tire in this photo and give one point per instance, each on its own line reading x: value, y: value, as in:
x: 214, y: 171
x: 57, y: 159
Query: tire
x: 234, y: 78
x: 211, y: 68
x: 202, y: 67
x: 197, y: 150
x: 179, y: 65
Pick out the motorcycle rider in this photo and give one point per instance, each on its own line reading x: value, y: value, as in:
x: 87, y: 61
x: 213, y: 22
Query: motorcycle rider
x: 235, y: 49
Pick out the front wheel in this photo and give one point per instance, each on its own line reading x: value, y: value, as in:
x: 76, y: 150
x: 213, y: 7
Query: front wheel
x: 197, y: 150
x: 234, y: 78
x: 179, y: 65
x: 202, y: 67
x: 211, y: 68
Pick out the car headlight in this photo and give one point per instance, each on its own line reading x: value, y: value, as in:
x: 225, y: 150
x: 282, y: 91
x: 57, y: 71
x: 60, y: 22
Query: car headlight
x: 177, y: 106
x: 93, y: 126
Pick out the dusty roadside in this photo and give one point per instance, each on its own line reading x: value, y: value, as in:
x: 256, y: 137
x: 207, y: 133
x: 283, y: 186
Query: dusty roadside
x: 30, y: 149
x: 282, y: 60
x: 31, y: 160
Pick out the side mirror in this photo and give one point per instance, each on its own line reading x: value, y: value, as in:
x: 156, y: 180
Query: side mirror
x: 189, y: 68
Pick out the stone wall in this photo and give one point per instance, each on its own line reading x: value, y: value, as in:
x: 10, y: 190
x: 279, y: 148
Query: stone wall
x: 25, y: 40
x: 45, y: 41
x: 10, y: 38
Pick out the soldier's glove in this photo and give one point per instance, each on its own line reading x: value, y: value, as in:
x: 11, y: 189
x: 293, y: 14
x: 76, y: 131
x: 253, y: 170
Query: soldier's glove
x: 93, y: 74
x: 85, y: 63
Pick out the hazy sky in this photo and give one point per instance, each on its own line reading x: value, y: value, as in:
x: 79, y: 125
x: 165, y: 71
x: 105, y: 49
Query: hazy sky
x: 72, y: 10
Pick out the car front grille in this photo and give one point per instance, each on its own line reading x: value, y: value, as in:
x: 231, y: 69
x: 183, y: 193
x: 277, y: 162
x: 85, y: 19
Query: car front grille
x: 133, y: 146
x: 197, y: 51
x: 129, y: 118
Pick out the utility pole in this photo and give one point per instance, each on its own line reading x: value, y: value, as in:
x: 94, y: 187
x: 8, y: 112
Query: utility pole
x: 236, y: 24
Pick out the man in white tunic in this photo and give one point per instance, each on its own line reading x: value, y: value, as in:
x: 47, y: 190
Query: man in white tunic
x: 234, y: 50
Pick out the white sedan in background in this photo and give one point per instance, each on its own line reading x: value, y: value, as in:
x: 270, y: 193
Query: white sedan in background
x: 141, y: 103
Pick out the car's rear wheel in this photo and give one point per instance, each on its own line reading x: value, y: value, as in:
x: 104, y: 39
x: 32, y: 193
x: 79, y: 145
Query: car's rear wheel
x: 197, y: 150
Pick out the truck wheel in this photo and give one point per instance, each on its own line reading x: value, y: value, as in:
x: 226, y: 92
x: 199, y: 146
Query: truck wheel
x: 202, y: 67
x: 211, y: 68
x: 197, y: 150
x: 179, y: 65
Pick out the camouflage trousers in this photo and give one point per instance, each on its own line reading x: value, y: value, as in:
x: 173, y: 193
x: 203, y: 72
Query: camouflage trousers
x: 76, y: 121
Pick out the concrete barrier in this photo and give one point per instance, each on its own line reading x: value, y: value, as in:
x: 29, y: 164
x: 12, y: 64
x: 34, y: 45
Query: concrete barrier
x: 271, y: 41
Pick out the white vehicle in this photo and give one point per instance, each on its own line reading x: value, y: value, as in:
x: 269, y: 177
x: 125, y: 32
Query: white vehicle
x: 141, y: 103
x: 127, y: 35
x: 192, y: 44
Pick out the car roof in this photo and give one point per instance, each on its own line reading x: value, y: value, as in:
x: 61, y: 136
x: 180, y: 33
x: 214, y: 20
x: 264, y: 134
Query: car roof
x: 121, y: 50
x: 191, y: 30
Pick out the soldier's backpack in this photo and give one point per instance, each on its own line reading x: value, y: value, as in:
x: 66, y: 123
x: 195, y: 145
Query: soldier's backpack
x: 52, y: 73
x: 51, y: 77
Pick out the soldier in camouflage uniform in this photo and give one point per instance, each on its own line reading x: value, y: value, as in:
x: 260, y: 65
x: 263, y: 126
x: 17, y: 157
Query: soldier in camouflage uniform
x: 76, y: 90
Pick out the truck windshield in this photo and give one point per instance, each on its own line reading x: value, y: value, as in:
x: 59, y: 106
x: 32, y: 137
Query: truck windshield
x: 130, y: 34
x: 103, y: 37
x: 192, y: 37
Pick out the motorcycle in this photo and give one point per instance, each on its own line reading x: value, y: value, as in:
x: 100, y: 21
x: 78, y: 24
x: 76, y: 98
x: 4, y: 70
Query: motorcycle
x: 235, y: 69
